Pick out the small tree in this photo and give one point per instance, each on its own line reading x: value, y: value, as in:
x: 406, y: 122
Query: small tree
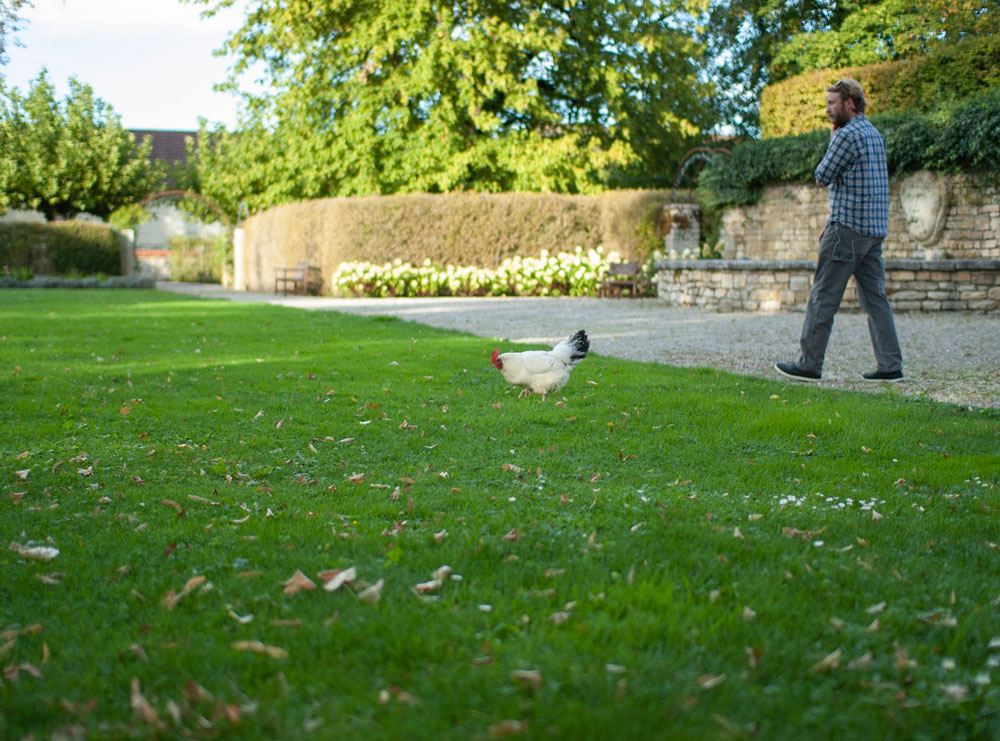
x: 69, y: 157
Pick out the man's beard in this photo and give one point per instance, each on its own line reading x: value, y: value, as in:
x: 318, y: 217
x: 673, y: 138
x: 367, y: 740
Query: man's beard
x: 840, y: 119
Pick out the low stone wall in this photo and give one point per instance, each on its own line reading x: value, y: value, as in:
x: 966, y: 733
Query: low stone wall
x: 774, y: 285
x: 931, y: 216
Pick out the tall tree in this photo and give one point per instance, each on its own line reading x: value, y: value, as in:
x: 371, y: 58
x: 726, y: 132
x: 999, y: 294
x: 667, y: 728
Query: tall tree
x: 69, y: 157
x: 9, y: 22
x: 383, y: 96
x: 757, y: 42
x: 890, y: 29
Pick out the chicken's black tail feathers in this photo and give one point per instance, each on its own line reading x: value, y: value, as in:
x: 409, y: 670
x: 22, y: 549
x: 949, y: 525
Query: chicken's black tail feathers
x: 579, y: 345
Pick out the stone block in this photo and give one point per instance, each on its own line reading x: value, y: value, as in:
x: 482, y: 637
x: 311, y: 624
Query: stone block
x: 905, y: 296
x: 984, y: 305
x: 798, y: 283
x: 953, y: 305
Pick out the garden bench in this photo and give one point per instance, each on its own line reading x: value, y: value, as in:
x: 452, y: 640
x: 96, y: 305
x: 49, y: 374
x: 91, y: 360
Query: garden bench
x: 302, y: 279
x: 623, y: 276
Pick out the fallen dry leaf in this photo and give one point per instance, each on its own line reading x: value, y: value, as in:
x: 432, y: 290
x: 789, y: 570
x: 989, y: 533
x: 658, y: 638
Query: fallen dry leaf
x: 298, y: 582
x: 334, y: 580
x: 862, y: 663
x: 140, y: 705
x: 257, y: 647
x: 708, y: 681
x: 241, y: 619
x: 956, y: 692
x: 170, y: 600
x: 37, y: 553
x: 527, y: 678
x: 373, y: 593
x: 428, y: 586
x: 23, y: 474
x: 509, y: 727
x: 441, y: 572
x: 827, y: 663
x: 558, y: 618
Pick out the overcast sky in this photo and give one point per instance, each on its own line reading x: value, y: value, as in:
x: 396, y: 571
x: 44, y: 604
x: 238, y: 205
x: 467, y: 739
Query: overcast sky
x: 150, y: 60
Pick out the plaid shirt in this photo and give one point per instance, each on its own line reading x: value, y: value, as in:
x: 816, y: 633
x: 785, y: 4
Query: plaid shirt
x: 855, y: 170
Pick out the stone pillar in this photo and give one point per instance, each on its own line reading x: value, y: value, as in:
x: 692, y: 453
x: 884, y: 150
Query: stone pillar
x: 239, y: 255
x: 126, y: 244
x: 681, y: 229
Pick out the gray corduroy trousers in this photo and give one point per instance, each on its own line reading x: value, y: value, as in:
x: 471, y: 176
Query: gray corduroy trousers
x: 843, y: 253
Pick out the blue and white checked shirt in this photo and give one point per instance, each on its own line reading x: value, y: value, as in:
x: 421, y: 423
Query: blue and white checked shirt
x: 854, y: 168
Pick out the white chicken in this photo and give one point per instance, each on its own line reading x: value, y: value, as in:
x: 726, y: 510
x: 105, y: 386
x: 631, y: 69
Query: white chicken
x: 542, y: 371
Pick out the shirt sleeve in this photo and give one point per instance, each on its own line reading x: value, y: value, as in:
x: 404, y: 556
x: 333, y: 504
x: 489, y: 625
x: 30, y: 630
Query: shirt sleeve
x: 839, y: 156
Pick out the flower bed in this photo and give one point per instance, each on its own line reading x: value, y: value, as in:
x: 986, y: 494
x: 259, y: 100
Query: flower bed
x: 576, y: 273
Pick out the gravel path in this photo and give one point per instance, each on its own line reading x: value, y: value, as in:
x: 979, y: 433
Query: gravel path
x: 949, y: 357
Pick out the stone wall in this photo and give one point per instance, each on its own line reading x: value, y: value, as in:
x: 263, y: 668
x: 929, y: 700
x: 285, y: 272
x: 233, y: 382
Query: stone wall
x: 931, y: 217
x: 774, y: 285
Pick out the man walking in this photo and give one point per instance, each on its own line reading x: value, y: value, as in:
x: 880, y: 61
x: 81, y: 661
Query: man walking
x: 855, y: 170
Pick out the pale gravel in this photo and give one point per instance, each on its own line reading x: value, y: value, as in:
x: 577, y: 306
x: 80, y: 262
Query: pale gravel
x: 949, y: 357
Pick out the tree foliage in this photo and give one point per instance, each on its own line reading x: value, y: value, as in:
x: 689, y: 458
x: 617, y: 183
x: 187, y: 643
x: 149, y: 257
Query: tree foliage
x: 9, y: 22
x: 891, y: 29
x: 365, y: 97
x: 71, y: 156
x: 759, y: 42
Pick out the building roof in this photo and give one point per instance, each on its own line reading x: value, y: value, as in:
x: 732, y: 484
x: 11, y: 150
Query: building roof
x: 167, y: 145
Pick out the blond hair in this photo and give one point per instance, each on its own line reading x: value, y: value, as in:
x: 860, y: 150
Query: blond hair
x: 849, y: 88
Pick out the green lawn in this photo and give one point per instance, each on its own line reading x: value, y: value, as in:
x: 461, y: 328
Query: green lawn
x: 654, y: 552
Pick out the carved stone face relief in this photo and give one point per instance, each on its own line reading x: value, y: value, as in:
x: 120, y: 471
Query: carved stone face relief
x: 924, y: 198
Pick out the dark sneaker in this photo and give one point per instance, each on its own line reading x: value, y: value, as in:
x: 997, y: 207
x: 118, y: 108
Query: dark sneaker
x: 884, y: 376
x: 790, y: 370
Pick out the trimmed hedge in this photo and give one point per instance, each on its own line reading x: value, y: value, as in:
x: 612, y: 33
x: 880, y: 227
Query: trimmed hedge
x: 468, y: 229
x: 949, y: 74
x: 60, y: 248
x: 963, y: 141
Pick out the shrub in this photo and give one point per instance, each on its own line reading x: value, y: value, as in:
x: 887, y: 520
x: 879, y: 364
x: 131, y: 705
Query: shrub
x: 949, y: 74
x: 60, y: 248
x: 961, y: 138
x: 740, y: 178
x: 567, y: 274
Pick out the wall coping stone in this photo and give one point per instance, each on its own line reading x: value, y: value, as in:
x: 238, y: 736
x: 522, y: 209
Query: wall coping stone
x: 746, y: 264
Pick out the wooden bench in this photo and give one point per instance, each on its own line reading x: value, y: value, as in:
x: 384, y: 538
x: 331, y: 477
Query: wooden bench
x: 623, y: 276
x: 302, y: 279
